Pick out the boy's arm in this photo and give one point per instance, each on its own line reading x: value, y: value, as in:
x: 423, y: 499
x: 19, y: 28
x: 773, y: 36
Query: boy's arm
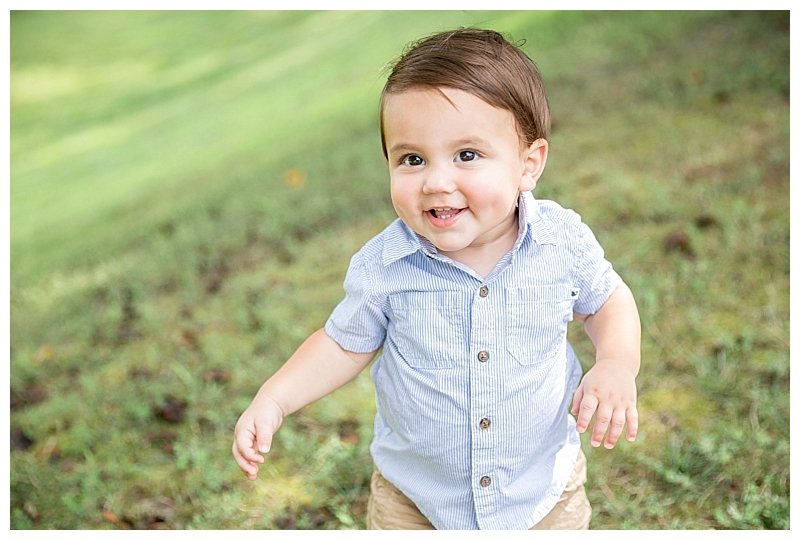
x: 317, y: 368
x: 608, y: 390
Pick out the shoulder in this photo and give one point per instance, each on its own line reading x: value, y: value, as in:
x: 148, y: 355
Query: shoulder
x: 369, y: 275
x: 555, y: 224
x: 551, y: 211
x: 371, y: 262
x: 565, y: 228
x: 374, y: 249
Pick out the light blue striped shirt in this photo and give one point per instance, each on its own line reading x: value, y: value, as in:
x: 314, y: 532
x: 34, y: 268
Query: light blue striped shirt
x: 476, y: 377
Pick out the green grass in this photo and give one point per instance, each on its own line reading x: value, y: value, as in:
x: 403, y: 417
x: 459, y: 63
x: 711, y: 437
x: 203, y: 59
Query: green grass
x: 187, y: 189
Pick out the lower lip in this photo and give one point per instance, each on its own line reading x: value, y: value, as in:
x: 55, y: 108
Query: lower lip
x: 444, y: 223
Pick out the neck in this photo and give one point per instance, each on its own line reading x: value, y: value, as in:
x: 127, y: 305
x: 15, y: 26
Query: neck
x: 483, y: 257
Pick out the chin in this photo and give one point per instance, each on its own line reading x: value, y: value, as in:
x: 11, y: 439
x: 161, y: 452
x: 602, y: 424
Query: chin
x: 445, y: 247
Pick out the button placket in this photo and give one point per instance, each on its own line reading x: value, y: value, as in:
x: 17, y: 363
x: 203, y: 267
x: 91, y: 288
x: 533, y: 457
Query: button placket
x: 485, y: 331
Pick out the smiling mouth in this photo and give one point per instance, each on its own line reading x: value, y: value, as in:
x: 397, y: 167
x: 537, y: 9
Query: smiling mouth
x: 445, y: 213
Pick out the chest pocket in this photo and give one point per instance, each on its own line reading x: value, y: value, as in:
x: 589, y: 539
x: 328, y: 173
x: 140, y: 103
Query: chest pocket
x: 537, y: 318
x: 426, y: 328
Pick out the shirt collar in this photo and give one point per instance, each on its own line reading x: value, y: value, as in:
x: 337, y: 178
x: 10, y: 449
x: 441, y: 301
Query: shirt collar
x: 401, y: 241
x: 531, y: 222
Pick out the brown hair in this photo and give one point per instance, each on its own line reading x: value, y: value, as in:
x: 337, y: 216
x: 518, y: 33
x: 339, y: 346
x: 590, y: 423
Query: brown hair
x: 482, y: 63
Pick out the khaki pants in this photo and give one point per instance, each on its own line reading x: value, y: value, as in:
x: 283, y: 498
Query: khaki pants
x: 389, y: 509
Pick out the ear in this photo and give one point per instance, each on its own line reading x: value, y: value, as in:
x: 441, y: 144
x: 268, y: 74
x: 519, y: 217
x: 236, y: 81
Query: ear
x: 534, y: 159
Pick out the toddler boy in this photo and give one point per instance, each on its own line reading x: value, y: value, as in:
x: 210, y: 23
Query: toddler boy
x: 468, y: 295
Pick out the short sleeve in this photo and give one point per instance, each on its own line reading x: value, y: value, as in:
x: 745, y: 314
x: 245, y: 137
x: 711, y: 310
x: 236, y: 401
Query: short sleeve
x: 358, y: 323
x: 594, y: 276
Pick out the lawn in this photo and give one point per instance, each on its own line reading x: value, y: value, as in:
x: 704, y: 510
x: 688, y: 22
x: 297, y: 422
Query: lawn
x: 188, y: 187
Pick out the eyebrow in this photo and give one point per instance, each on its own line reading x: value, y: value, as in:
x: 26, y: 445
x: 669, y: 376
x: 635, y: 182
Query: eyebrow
x: 401, y: 147
x: 473, y: 141
x: 465, y: 142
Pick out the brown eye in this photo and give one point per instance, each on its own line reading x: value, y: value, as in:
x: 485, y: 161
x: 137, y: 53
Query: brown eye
x: 467, y: 155
x: 412, y: 160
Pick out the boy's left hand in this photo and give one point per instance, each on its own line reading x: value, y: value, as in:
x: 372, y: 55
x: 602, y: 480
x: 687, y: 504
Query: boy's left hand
x: 608, y: 392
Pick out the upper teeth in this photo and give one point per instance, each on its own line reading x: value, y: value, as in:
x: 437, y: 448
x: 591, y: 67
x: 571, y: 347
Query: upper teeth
x: 444, y: 212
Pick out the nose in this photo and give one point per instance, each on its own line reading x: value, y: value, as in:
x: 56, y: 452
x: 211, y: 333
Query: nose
x: 438, y: 179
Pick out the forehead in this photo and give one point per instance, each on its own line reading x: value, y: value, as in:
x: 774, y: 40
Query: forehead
x: 443, y: 111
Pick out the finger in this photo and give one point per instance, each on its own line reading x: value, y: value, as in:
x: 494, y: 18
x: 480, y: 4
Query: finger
x: 585, y: 411
x: 615, y: 428
x: 576, y: 400
x: 632, y: 418
x: 263, y: 439
x: 264, y: 444
x: 244, y: 443
x: 601, y: 421
x: 249, y: 468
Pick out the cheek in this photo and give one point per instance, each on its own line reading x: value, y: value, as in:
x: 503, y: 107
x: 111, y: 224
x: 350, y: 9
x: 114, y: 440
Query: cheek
x: 478, y: 195
x: 402, y: 196
x: 491, y: 197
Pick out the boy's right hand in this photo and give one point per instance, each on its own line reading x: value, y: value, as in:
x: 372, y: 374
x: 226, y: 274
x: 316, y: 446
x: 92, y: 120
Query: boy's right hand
x: 253, y: 433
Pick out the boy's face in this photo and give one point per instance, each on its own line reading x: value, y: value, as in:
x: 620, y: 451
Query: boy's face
x: 457, y: 167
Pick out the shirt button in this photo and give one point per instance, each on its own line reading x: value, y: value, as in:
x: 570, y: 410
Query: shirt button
x: 484, y: 291
x: 483, y: 356
x: 485, y: 423
x: 486, y: 481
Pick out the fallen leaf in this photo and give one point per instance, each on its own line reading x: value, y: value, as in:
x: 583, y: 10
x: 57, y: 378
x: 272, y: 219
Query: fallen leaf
x: 114, y: 519
x: 295, y: 178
